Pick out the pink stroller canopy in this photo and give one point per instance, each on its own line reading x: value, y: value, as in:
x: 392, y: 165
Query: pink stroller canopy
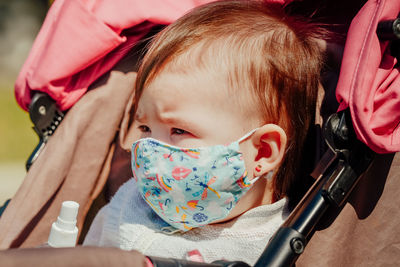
x: 369, y: 82
x: 81, y: 40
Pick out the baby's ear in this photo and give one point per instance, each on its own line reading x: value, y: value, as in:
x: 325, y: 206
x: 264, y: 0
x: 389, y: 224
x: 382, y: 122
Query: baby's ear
x: 270, y: 143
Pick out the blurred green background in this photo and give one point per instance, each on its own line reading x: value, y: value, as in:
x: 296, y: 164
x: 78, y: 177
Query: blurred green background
x: 20, y: 21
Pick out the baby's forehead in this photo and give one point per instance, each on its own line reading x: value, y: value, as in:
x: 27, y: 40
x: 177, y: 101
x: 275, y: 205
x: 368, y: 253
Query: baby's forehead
x: 212, y: 58
x: 209, y: 86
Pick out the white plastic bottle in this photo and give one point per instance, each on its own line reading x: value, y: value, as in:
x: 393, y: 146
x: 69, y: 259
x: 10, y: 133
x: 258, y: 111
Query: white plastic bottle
x: 64, y: 232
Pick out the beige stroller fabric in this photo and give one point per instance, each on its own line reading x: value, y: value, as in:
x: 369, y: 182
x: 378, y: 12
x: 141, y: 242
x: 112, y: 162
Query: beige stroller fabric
x: 367, y: 231
x: 74, y: 164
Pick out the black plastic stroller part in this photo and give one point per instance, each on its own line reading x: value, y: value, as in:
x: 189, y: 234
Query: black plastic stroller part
x: 390, y: 31
x: 46, y: 117
x: 3, y: 208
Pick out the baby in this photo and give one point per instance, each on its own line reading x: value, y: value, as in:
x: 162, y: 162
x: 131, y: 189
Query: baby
x: 224, y: 99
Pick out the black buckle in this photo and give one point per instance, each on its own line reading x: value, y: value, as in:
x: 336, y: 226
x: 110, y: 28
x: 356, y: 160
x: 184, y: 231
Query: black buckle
x: 46, y: 117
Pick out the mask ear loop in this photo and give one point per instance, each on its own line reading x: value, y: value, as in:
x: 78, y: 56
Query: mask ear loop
x: 255, y: 179
x: 247, y: 135
x: 268, y: 177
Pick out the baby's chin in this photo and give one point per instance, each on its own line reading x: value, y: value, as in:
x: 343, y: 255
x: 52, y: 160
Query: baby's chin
x: 230, y: 216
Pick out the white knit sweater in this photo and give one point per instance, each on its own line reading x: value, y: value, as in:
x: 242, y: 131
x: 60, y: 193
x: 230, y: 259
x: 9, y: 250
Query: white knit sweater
x: 129, y: 223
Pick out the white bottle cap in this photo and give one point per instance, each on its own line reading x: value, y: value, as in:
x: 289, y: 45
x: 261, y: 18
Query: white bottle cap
x: 64, y: 231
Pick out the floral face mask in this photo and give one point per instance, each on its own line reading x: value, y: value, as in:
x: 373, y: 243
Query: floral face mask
x: 190, y: 187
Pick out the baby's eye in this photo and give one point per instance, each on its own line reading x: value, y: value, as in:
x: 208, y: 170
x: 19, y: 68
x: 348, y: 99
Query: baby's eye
x: 178, y: 131
x: 144, y: 129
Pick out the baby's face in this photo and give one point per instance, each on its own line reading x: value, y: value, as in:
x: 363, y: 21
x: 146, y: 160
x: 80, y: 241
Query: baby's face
x: 196, y: 110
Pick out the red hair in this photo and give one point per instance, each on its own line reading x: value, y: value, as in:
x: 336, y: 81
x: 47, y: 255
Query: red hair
x: 274, y: 55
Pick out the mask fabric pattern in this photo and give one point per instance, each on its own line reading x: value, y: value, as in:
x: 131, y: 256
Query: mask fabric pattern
x: 190, y: 187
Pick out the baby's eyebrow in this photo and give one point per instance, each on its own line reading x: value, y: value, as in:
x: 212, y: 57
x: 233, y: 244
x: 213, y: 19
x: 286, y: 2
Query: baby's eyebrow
x: 169, y: 118
x: 178, y: 121
x: 139, y: 117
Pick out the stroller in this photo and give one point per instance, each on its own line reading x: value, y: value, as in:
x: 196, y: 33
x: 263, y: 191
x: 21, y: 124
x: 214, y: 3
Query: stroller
x: 339, y: 170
